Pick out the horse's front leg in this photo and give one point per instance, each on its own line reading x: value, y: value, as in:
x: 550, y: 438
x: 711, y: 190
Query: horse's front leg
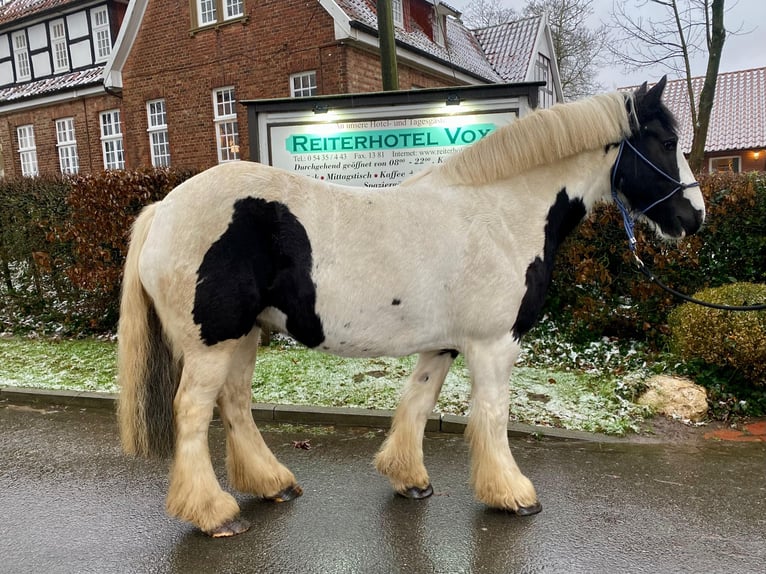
x: 401, y: 456
x: 495, y: 477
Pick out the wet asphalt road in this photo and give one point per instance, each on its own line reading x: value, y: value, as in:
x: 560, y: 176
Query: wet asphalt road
x: 71, y: 502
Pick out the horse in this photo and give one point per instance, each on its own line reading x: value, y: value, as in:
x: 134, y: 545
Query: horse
x: 455, y: 259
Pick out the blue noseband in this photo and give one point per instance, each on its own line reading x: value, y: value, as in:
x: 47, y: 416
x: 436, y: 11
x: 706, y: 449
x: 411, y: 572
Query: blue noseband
x: 627, y: 215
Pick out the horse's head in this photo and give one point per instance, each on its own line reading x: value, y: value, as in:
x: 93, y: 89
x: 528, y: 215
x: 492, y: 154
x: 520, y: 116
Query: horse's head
x: 651, y: 173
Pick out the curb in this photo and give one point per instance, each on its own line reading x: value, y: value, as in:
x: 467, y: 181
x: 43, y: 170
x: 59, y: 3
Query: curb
x: 302, y: 414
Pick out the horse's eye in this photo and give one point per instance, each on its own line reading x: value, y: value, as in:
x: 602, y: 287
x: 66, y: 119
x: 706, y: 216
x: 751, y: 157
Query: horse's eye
x: 670, y: 145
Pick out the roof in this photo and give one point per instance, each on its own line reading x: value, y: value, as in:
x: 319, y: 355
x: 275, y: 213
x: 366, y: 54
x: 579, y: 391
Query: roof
x: 509, y: 47
x: 18, y: 9
x: 738, y: 118
x: 53, y: 84
x: 462, y: 51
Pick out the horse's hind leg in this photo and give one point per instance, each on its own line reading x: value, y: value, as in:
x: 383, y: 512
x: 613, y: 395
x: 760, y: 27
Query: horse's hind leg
x: 401, y: 456
x: 252, y: 467
x: 495, y: 476
x: 194, y: 494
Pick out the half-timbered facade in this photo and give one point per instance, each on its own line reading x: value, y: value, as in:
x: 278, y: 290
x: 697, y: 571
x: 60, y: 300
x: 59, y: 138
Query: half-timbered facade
x: 54, y: 112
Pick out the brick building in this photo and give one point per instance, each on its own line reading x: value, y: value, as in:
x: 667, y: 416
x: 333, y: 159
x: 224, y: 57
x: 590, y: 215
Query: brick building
x: 168, y: 92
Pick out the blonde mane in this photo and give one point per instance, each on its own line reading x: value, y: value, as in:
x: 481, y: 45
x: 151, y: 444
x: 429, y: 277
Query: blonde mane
x: 542, y: 137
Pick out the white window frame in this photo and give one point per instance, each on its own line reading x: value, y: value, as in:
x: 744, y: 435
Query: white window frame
x: 27, y: 150
x: 159, y: 144
x: 713, y: 160
x: 21, y: 56
x: 102, y: 37
x: 233, y: 9
x: 303, y: 84
x: 111, y: 139
x: 397, y: 9
x: 211, y: 12
x: 66, y: 144
x: 59, y: 46
x: 226, y: 125
x: 544, y: 73
x: 207, y: 12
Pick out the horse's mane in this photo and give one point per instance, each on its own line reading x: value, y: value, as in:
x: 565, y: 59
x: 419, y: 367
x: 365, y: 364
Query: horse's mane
x: 543, y: 137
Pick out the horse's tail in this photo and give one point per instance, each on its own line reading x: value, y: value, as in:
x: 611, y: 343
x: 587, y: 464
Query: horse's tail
x: 148, y: 371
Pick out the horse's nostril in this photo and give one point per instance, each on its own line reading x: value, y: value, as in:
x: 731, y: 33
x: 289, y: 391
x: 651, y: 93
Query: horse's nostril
x: 691, y: 222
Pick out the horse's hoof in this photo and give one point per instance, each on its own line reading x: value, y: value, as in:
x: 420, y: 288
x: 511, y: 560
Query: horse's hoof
x: 287, y: 494
x: 529, y: 510
x: 416, y: 493
x: 230, y: 528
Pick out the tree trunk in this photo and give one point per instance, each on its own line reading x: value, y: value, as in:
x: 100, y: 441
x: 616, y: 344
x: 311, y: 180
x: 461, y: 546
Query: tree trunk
x: 715, y: 47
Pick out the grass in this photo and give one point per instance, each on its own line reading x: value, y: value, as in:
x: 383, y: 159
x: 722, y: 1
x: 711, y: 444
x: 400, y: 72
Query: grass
x: 564, y: 395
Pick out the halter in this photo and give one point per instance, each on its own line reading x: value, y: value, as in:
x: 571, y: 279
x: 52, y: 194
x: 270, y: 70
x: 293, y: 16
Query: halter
x: 629, y: 222
x: 627, y: 215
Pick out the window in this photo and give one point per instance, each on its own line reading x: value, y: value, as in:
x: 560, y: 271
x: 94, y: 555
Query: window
x: 234, y: 8
x: 67, y: 146
x: 158, y: 133
x: 58, y: 44
x: 101, y: 34
x: 27, y: 150
x: 111, y: 140
x: 226, y: 128
x: 543, y: 73
x: 21, y: 57
x: 303, y: 85
x: 719, y: 164
x: 208, y: 11
x: 398, y: 12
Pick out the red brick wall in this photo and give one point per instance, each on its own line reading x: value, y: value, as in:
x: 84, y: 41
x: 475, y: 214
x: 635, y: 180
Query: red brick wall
x: 87, y: 132
x: 256, y: 58
x: 279, y: 38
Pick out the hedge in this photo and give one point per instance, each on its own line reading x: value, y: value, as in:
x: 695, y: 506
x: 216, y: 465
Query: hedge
x: 63, y: 242
x: 598, y: 291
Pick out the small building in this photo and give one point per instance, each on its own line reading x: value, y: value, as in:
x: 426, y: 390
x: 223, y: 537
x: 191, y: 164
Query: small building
x: 160, y: 83
x: 736, y: 139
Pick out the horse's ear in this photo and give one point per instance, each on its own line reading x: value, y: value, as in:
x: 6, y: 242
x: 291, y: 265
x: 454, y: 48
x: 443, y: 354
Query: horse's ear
x: 654, y: 95
x: 648, y: 102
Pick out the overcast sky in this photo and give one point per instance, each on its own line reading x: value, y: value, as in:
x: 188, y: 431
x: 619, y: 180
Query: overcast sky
x: 743, y: 51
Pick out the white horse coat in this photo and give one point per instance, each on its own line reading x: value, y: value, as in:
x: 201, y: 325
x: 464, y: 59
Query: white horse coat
x: 455, y: 259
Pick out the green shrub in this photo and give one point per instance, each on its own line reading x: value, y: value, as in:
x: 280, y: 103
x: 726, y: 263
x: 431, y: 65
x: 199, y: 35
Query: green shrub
x: 597, y: 290
x: 733, y: 340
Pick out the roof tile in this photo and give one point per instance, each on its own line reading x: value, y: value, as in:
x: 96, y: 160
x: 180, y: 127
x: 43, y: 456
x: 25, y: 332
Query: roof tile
x: 738, y: 118
x: 462, y: 50
x: 509, y: 46
x: 18, y: 9
x: 53, y: 84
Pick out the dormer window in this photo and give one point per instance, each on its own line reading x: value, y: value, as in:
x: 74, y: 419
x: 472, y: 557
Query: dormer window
x: 398, y: 11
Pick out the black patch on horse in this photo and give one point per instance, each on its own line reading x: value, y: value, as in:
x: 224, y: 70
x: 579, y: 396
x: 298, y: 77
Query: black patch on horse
x: 262, y: 260
x: 562, y: 218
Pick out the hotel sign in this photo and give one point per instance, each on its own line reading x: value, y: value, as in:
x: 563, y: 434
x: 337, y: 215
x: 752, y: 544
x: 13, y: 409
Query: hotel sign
x: 376, y: 153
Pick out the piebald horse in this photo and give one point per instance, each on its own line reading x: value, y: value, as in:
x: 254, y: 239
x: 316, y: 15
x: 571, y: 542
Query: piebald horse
x: 456, y: 259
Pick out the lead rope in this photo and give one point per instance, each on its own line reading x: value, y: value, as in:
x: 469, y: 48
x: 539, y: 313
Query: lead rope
x: 629, y: 223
